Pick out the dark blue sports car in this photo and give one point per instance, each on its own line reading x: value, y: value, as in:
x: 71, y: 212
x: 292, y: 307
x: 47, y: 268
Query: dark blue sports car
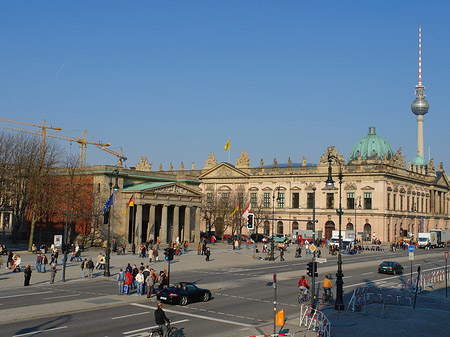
x: 183, y: 294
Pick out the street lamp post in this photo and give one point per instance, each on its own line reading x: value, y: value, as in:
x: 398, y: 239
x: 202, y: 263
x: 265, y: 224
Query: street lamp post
x: 339, y: 304
x: 272, y: 242
x: 356, y: 232
x: 115, y: 190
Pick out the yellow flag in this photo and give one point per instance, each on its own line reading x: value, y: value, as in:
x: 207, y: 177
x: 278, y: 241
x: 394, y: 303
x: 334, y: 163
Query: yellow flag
x: 227, y: 145
x: 235, y: 210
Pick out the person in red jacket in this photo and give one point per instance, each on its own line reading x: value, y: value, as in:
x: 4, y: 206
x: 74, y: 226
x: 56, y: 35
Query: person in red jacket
x: 128, y: 281
x: 303, y: 285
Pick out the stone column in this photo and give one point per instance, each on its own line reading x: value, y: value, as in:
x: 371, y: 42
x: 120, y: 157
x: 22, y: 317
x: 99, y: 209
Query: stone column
x: 138, y: 225
x: 197, y: 225
x: 151, y: 222
x: 163, y: 229
x: 187, y: 224
x: 176, y: 223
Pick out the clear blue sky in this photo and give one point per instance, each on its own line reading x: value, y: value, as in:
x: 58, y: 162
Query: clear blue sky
x: 173, y: 80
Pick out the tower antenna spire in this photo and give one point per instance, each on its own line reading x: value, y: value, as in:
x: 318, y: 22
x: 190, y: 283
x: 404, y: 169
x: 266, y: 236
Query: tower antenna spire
x: 420, y: 55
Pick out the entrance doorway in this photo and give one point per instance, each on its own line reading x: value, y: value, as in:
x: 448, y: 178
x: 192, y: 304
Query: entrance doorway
x: 329, y: 228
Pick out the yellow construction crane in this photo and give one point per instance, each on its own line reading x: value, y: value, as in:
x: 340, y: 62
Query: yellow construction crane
x: 43, y: 131
x: 118, y: 155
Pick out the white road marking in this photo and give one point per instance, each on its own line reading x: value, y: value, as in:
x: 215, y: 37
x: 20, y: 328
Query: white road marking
x: 193, y: 315
x: 40, y: 331
x: 368, y: 273
x: 151, y: 327
x: 51, y: 298
x: 137, y: 314
x: 20, y: 295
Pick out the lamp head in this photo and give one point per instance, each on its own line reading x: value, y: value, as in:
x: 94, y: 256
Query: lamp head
x: 329, y: 183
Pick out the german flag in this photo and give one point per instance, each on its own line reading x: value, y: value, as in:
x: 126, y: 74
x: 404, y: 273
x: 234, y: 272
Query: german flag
x: 130, y: 203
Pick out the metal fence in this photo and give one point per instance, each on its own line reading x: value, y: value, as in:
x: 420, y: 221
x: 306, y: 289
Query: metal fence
x: 315, y: 320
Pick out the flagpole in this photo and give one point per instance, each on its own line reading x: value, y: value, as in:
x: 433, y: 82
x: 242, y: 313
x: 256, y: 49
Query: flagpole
x: 133, y: 226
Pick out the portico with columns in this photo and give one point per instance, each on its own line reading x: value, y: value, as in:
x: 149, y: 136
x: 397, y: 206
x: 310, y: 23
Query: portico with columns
x: 164, y: 211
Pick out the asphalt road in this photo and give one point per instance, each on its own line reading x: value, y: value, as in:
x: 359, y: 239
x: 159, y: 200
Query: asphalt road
x: 242, y: 297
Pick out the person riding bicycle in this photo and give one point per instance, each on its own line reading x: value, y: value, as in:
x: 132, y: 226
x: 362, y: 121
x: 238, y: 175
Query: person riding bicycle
x: 327, y: 285
x: 161, y: 318
x: 303, y: 285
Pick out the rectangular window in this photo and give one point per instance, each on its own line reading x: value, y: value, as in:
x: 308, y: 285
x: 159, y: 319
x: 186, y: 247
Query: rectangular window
x: 224, y: 199
x: 254, y: 199
x: 402, y: 197
x: 395, y: 202
x: 280, y: 200
x: 330, y: 200
x: 295, y: 200
x: 389, y: 201
x: 350, y: 200
x: 367, y: 200
x: 209, y: 199
x: 241, y: 199
x: 267, y: 200
x: 309, y: 200
x: 407, y: 203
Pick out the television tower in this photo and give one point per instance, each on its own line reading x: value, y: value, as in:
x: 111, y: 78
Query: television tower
x: 420, y: 107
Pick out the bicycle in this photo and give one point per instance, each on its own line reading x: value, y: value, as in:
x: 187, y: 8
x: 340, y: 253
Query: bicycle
x: 171, y: 332
x: 327, y: 297
x: 304, y: 296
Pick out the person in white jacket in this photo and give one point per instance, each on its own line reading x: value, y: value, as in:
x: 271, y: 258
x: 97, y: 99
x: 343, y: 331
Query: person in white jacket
x: 139, y: 283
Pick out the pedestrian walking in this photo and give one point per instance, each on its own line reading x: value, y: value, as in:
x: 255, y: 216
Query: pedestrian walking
x: 281, y: 254
x: 150, y: 281
x: 27, y: 275
x: 90, y: 267
x: 44, y: 263
x: 52, y: 273
x: 155, y: 254
x: 207, y: 253
x: 199, y: 248
x: 1, y: 262
x: 83, y: 268
x: 38, y: 262
x: 120, y: 280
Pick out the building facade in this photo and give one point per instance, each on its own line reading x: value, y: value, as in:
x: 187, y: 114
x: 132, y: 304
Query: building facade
x: 382, y: 196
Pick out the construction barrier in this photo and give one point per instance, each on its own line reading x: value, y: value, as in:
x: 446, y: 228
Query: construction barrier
x: 428, y: 279
x: 315, y: 320
x: 274, y: 335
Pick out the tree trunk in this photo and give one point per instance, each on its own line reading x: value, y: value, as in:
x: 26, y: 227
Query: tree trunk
x: 30, y: 240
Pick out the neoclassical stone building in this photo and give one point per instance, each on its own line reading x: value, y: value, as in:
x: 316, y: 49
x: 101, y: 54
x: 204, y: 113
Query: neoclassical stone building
x: 382, y: 196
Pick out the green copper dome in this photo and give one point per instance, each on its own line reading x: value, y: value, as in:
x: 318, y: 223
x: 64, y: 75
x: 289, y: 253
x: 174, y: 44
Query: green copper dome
x: 371, y: 146
x: 419, y: 160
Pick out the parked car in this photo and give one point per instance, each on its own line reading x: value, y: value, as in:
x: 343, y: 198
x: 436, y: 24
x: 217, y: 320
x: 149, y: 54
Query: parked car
x: 257, y: 237
x: 390, y: 267
x: 183, y: 294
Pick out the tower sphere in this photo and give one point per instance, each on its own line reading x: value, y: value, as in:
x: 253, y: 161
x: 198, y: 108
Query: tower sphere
x: 420, y: 106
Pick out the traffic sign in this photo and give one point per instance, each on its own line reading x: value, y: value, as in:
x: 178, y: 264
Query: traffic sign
x: 321, y: 259
x: 312, y: 248
x: 446, y: 256
x: 411, y: 256
x: 411, y: 248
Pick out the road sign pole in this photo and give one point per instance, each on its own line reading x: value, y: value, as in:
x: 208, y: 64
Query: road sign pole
x: 275, y: 304
x: 411, y: 275
x: 446, y: 276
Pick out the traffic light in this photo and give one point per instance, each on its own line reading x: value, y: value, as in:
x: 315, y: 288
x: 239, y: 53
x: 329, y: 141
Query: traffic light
x: 169, y: 253
x: 315, y: 269
x: 105, y: 217
x: 310, y: 269
x: 251, y: 221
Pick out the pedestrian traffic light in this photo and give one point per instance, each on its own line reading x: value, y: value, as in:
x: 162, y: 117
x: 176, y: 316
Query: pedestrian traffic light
x: 251, y: 221
x: 310, y: 269
x: 105, y: 217
x: 315, y: 269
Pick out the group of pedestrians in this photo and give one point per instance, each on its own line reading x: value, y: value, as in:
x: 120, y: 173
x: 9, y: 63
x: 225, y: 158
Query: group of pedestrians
x: 144, y: 279
x: 87, y: 265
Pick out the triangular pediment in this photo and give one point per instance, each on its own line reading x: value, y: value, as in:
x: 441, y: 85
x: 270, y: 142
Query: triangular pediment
x: 442, y: 180
x: 175, y: 188
x: 223, y: 170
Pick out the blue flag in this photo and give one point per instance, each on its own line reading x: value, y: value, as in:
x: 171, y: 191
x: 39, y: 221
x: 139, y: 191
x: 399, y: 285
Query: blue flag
x: 109, y: 203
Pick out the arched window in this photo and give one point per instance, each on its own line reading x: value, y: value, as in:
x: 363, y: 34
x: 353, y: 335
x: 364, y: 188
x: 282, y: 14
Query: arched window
x: 329, y: 228
x: 349, y: 226
x: 294, y: 226
x: 280, y: 227
x: 266, y: 228
x: 309, y: 225
x: 367, y: 231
